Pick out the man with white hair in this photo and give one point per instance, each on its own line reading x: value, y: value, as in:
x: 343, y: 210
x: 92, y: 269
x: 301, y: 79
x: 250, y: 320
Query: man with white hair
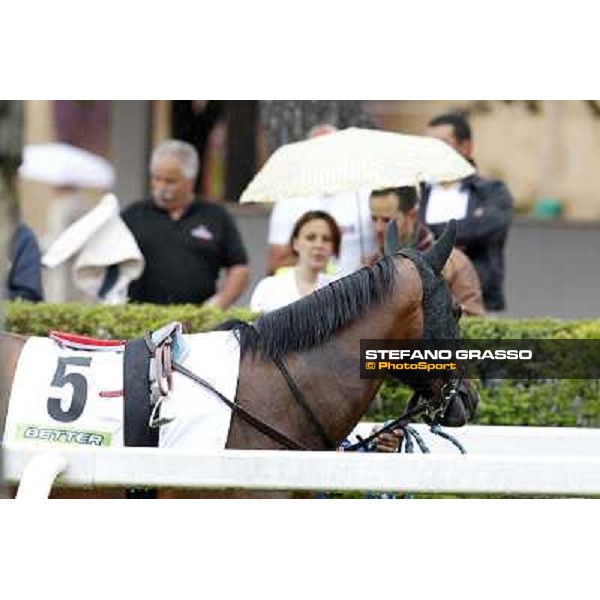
x: 185, y: 242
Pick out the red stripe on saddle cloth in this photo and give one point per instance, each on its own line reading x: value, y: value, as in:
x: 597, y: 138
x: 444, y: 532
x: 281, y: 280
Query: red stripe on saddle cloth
x: 83, y: 340
x: 111, y: 394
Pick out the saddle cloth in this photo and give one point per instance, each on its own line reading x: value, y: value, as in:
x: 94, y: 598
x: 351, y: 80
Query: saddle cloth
x: 64, y: 395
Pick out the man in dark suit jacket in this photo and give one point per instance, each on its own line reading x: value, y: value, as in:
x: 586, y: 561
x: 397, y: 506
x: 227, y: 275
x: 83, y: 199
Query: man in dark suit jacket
x: 482, y: 207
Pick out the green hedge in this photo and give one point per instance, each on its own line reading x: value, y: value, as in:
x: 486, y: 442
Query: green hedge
x: 566, y: 402
x: 555, y: 403
x: 112, y: 322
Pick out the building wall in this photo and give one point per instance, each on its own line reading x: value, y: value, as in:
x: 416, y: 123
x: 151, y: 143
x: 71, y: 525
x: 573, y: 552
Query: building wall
x: 552, y: 153
x: 37, y: 200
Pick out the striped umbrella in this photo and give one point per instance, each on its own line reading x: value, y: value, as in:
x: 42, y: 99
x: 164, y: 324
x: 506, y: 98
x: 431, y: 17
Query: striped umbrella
x: 354, y: 159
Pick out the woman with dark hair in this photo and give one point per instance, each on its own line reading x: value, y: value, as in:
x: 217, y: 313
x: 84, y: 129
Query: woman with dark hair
x: 314, y: 241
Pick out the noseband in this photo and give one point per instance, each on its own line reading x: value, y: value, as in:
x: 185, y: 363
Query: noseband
x: 433, y: 412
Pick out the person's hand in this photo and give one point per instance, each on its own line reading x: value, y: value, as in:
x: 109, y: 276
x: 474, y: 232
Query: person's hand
x: 215, y: 301
x: 389, y: 441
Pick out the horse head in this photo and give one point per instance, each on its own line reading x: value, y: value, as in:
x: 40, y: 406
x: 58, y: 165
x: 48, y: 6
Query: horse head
x: 440, y: 320
x: 439, y: 313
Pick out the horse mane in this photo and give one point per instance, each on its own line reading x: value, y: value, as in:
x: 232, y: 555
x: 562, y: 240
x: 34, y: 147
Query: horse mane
x: 315, y: 319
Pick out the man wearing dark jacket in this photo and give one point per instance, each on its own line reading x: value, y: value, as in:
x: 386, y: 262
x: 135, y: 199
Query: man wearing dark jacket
x: 482, y: 207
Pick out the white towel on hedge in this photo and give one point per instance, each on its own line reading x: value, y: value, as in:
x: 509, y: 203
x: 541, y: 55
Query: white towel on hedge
x: 102, y: 240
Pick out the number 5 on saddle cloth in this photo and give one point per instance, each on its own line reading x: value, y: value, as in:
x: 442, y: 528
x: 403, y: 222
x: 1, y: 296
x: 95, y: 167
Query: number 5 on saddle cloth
x: 76, y: 390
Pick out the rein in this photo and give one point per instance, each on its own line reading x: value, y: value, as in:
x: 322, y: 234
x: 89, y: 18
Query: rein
x: 253, y: 420
x: 414, y: 407
x: 299, y: 397
x: 250, y: 418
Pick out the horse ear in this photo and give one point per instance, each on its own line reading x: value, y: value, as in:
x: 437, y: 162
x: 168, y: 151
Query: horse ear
x: 440, y: 252
x: 392, y: 245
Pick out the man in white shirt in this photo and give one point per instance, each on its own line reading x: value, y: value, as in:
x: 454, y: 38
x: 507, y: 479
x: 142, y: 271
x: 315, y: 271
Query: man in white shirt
x: 446, y: 202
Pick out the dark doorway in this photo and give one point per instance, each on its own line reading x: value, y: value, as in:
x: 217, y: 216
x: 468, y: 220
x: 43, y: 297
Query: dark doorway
x: 242, y: 122
x: 193, y: 121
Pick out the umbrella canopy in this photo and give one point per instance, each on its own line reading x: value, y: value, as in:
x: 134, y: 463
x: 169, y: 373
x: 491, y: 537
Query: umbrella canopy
x: 65, y: 165
x: 355, y: 159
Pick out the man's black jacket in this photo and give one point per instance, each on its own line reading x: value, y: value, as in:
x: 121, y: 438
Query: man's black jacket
x: 482, y: 233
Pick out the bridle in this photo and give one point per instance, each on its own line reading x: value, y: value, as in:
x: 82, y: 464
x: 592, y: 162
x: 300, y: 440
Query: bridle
x: 433, y: 413
x: 432, y: 410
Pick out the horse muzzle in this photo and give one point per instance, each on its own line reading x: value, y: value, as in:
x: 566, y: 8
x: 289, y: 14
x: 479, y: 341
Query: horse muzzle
x: 461, y: 406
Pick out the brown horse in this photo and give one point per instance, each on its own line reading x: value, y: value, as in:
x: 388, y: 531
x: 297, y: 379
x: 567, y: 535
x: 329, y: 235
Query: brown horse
x: 318, y: 338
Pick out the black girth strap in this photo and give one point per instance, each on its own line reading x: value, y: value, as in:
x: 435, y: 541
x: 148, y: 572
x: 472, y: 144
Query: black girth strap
x: 136, y: 393
x: 136, y: 404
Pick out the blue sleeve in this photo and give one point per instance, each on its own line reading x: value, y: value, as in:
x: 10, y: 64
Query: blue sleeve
x: 25, y: 275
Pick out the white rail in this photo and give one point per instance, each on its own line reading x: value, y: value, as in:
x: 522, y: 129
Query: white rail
x: 562, y: 472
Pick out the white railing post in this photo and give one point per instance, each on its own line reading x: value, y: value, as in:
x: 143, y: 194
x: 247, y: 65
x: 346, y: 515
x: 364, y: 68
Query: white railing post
x: 39, y: 475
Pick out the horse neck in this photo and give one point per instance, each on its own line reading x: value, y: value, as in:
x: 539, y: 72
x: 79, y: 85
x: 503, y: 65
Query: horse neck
x: 330, y: 374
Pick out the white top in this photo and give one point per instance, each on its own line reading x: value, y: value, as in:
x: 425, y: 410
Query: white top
x: 353, y: 216
x: 280, y: 290
x: 446, y: 202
